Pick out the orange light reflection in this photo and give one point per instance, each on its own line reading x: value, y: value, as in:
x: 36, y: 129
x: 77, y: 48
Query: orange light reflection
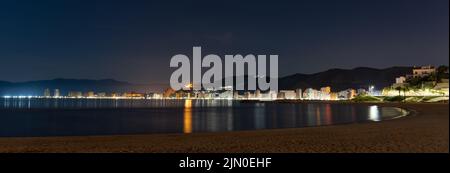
x: 187, y: 120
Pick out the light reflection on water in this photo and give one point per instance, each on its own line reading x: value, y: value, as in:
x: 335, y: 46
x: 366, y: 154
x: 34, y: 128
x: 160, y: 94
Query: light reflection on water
x: 53, y: 117
x: 374, y: 115
x: 187, y: 120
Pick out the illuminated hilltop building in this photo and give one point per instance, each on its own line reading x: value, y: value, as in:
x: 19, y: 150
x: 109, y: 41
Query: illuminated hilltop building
x: 419, y: 83
x: 423, y: 71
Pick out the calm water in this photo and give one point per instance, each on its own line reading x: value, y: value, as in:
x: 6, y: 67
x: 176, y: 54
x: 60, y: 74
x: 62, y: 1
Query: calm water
x: 63, y: 117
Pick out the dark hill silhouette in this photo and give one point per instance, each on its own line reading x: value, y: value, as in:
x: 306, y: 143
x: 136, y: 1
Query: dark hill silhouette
x: 340, y: 79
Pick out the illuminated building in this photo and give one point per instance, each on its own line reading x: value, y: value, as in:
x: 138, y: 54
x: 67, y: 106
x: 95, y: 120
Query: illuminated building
x: 133, y: 94
x: 208, y: 95
x: 47, y: 92
x: 325, y: 90
x: 236, y: 95
x: 309, y: 94
x: 114, y: 94
x: 287, y: 94
x: 272, y: 95
x: 248, y: 95
x: 346, y: 94
x: 324, y: 93
x: 351, y: 93
x: 76, y: 94
x: 101, y: 94
x: 298, y: 94
x: 342, y: 95
x: 89, y: 94
x: 333, y: 96
x: 169, y: 92
x: 361, y: 91
x: 423, y: 71
x: 153, y: 96
x: 400, y: 80
x: 56, y: 93
x: 258, y: 94
x: 226, y: 94
x: 306, y: 93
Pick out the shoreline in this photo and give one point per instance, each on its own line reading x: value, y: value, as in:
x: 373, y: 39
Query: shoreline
x: 426, y: 130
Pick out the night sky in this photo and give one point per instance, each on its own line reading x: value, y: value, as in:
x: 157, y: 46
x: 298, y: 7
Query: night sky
x: 134, y: 40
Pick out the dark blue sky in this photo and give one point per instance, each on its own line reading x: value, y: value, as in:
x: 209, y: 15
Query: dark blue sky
x: 134, y: 40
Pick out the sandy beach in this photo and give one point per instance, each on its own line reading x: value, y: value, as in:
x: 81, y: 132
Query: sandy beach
x: 426, y: 130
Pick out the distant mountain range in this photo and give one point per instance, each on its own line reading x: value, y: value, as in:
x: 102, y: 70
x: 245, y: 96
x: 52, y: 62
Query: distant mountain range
x: 337, y: 79
x: 341, y: 79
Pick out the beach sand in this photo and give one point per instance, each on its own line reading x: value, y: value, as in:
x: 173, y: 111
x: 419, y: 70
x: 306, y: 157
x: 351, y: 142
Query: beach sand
x: 426, y: 130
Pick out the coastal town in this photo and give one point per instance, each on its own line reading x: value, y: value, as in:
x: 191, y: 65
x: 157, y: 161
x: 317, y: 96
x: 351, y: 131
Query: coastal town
x: 423, y: 81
